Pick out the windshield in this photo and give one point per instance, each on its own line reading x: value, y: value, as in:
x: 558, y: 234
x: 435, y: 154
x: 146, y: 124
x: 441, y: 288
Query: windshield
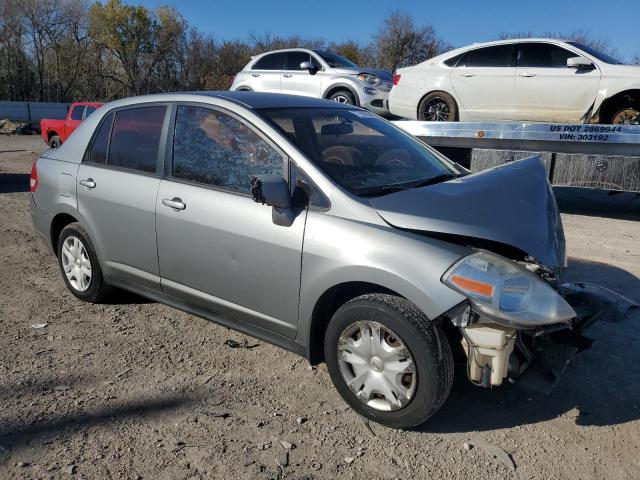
x: 334, y: 60
x: 360, y: 151
x: 595, y: 53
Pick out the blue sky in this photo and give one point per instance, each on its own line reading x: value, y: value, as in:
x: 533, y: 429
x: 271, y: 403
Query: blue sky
x: 458, y: 22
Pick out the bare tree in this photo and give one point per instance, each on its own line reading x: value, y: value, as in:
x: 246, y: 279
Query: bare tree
x: 400, y: 42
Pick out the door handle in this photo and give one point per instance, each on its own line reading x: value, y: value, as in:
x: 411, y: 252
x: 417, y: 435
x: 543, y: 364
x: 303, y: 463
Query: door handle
x: 527, y: 74
x: 89, y: 183
x: 287, y: 75
x: 255, y: 74
x: 175, y: 203
x: 467, y: 74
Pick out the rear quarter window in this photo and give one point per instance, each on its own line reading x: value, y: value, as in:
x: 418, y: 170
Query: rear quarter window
x: 98, y: 151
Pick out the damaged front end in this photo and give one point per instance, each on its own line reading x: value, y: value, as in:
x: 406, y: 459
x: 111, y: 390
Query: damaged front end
x: 527, y: 349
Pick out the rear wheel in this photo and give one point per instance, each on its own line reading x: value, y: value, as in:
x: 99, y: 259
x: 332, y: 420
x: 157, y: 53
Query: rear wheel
x: 438, y: 107
x: 54, y: 142
x: 388, y: 361
x: 79, y: 264
x: 343, y: 96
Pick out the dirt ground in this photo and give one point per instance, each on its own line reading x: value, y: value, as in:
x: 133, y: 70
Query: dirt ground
x: 132, y: 389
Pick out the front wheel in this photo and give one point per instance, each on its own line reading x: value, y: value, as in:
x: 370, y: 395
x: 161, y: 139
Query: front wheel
x: 55, y: 141
x: 388, y: 361
x: 626, y: 116
x: 438, y: 107
x: 343, y: 96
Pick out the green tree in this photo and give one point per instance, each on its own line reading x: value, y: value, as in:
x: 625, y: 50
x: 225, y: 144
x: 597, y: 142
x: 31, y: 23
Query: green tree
x: 138, y: 38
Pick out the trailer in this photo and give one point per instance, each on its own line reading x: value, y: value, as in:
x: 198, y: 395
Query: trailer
x: 575, y: 155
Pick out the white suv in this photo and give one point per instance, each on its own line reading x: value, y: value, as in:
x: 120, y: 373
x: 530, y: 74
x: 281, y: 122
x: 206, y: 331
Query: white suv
x: 522, y: 80
x: 316, y: 73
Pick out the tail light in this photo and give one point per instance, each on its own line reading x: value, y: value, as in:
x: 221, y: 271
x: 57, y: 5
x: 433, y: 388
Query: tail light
x: 396, y: 79
x: 33, y: 180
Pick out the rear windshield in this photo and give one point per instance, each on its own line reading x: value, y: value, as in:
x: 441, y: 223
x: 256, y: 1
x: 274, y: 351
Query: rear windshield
x: 362, y: 152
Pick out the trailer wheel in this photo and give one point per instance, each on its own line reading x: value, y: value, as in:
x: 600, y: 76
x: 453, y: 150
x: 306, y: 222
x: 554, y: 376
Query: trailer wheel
x: 438, y: 107
x: 54, y: 142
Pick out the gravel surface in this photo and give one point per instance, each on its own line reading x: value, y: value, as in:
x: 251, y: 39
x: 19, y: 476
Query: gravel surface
x: 134, y: 389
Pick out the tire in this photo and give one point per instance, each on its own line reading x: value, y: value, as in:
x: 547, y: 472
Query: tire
x: 438, y: 107
x: 402, y: 324
x: 629, y: 115
x: 91, y: 288
x: 343, y: 96
x: 54, y: 142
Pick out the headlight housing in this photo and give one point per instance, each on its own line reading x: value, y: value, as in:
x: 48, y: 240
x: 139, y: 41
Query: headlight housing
x: 369, y: 78
x: 506, y: 292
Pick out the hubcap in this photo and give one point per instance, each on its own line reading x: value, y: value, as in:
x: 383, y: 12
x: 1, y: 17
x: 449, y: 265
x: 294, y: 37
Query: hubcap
x: 341, y: 99
x: 628, y: 116
x: 76, y: 263
x: 436, y: 110
x: 377, y: 366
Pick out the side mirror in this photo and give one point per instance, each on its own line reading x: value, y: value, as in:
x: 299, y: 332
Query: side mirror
x: 309, y: 67
x: 579, y: 63
x: 273, y: 190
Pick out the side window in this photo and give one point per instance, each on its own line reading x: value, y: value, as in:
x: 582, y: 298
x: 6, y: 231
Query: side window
x: 498, y: 56
x: 543, y: 55
x: 98, y: 152
x: 272, y: 61
x: 214, y: 148
x: 88, y: 111
x: 294, y: 59
x: 135, y: 138
x: 77, y: 112
x: 452, y: 62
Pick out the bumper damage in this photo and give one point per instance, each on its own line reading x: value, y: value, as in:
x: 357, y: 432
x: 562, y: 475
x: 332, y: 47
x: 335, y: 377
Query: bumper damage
x: 535, y: 359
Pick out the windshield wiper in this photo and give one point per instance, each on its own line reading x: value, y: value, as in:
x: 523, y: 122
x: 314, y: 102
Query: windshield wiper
x: 395, y: 187
x: 437, y: 179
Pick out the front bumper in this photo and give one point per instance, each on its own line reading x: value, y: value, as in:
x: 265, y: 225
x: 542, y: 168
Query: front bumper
x: 377, y: 102
x: 540, y: 357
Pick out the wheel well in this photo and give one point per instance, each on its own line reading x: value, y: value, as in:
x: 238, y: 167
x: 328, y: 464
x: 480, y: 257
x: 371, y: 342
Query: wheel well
x: 619, y: 100
x: 51, y: 134
x: 244, y: 89
x: 341, y: 88
x: 326, y: 306
x: 59, y: 222
x: 437, y: 91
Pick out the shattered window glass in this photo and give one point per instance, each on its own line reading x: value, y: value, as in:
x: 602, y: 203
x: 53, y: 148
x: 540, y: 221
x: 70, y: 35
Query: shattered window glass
x: 213, y: 148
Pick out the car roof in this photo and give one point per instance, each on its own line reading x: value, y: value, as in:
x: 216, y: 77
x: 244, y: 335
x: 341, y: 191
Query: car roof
x: 250, y: 100
x: 506, y: 41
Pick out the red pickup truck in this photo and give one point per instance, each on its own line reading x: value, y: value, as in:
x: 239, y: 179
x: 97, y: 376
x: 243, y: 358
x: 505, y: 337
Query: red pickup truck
x: 54, y: 132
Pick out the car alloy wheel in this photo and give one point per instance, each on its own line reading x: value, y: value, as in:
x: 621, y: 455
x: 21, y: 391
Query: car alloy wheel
x: 627, y: 116
x: 76, y: 263
x: 377, y: 366
x: 436, y: 110
x: 340, y: 98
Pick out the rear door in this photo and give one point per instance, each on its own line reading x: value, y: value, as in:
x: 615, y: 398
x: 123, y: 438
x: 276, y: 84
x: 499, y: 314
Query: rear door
x: 266, y: 73
x: 219, y: 249
x: 484, y: 82
x: 117, y: 186
x: 549, y: 91
x: 296, y: 81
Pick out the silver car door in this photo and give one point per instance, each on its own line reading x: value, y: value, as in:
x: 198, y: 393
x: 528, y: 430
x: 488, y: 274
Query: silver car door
x: 117, y: 186
x: 296, y: 81
x: 265, y: 74
x: 217, y: 248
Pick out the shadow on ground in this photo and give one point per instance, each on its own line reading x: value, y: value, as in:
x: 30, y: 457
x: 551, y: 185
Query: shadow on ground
x: 599, y: 387
x: 15, y: 434
x: 598, y: 203
x: 14, y: 182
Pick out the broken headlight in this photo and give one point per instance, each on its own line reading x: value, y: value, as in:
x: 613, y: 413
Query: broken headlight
x: 506, y: 292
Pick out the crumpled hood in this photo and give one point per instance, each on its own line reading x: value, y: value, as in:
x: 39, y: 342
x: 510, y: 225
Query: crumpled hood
x: 512, y: 204
x: 356, y: 70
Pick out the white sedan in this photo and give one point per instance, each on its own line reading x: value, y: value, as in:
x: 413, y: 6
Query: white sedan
x: 542, y: 80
